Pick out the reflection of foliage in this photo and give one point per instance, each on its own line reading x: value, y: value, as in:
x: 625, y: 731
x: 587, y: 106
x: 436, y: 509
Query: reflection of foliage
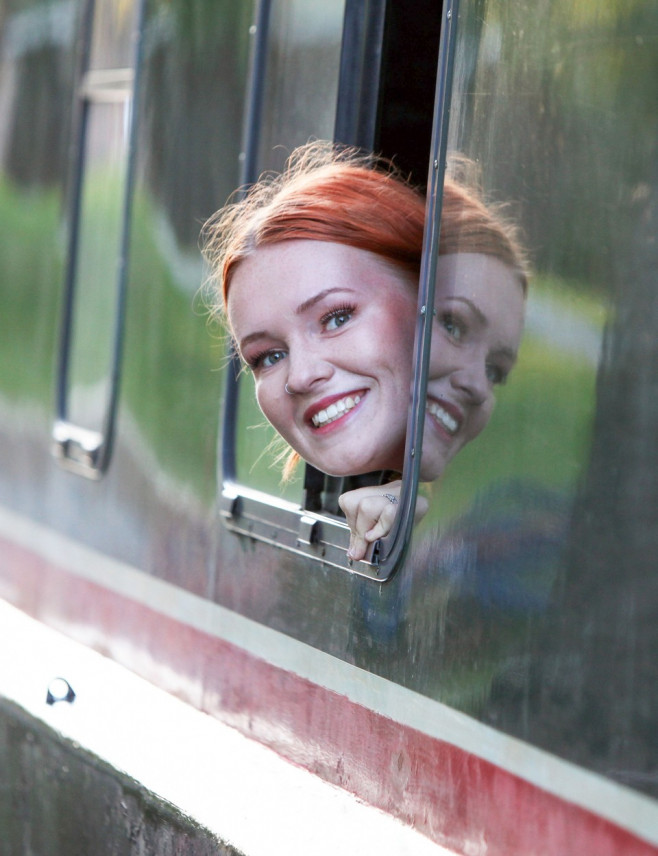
x: 170, y: 382
x: 41, y: 85
x: 32, y: 274
x: 203, y: 26
x: 564, y: 117
x: 191, y: 104
x: 260, y: 448
x: 540, y: 428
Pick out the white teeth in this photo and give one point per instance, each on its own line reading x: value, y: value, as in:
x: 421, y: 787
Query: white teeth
x: 335, y: 410
x: 449, y: 422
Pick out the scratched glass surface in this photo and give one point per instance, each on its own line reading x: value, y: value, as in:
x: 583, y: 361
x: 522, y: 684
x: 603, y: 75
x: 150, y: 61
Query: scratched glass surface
x: 531, y: 586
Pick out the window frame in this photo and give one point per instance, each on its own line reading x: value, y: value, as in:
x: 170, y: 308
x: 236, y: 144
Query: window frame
x: 262, y: 516
x: 78, y: 449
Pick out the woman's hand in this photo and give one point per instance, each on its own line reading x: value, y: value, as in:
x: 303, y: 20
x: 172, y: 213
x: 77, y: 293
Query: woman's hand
x: 370, y: 512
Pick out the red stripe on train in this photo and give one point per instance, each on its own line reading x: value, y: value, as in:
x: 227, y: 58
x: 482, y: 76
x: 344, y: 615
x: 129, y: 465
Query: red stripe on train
x: 452, y: 796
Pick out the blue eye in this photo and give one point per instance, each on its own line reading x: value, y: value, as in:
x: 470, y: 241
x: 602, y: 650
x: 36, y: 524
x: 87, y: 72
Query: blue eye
x: 453, y: 327
x: 266, y: 360
x: 496, y: 375
x: 337, y: 317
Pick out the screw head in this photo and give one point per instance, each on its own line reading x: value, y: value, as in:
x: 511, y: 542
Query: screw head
x: 59, y: 689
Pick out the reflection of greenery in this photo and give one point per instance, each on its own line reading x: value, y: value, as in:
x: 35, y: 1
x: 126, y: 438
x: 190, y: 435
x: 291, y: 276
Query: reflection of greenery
x: 259, y: 448
x: 170, y: 378
x: 562, y: 115
x: 170, y: 383
x: 31, y: 273
x: 540, y: 429
x: 97, y: 274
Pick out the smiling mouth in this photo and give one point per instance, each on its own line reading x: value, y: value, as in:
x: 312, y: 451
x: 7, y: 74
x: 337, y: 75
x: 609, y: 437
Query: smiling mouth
x: 335, y: 411
x: 448, y: 422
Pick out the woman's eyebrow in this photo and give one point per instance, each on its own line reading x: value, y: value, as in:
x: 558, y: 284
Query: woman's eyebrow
x: 476, y: 311
x: 310, y: 303
x: 303, y: 307
x: 252, y: 337
x: 507, y: 353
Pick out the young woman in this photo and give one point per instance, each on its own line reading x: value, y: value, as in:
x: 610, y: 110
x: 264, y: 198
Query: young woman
x: 318, y: 273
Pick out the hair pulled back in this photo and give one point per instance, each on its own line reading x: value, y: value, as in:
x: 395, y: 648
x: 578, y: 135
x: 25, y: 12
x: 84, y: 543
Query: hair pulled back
x: 327, y: 193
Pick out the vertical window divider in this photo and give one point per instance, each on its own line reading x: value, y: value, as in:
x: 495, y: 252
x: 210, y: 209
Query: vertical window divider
x: 249, y: 158
x: 82, y: 450
x: 390, y: 552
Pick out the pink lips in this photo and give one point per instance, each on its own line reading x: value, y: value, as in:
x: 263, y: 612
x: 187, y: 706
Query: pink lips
x: 326, y: 402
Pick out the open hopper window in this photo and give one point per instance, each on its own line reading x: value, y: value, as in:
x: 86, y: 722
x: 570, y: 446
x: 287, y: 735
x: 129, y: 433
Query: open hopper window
x: 351, y: 94
x: 99, y: 215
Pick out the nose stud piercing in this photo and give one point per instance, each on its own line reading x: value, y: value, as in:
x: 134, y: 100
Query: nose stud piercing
x: 285, y: 386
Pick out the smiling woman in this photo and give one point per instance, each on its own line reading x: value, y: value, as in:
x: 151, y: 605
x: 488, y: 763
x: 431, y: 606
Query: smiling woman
x: 339, y: 342
x: 318, y: 272
x: 479, y: 314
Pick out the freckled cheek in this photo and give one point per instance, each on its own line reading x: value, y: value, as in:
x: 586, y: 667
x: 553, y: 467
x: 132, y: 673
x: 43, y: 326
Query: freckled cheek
x: 395, y: 338
x: 269, y: 405
x: 277, y: 409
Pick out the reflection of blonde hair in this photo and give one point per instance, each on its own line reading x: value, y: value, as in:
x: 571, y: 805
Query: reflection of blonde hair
x: 469, y: 225
x: 339, y: 195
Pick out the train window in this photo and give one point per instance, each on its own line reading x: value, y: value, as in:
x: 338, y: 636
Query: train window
x: 308, y: 97
x: 99, y: 222
x: 296, y: 60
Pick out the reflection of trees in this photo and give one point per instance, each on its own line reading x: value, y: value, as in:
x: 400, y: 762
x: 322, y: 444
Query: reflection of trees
x: 594, y: 691
x: 191, y: 106
x: 38, y: 40
x: 555, y: 136
x: 600, y: 694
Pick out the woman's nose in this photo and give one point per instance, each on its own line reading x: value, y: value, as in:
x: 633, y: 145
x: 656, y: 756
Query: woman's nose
x: 307, y: 369
x: 471, y: 379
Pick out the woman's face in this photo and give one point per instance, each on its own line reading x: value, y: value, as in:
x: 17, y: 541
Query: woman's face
x: 480, y: 310
x: 336, y: 324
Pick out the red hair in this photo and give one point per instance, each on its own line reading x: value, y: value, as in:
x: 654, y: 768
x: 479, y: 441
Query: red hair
x: 323, y: 195
x: 341, y: 196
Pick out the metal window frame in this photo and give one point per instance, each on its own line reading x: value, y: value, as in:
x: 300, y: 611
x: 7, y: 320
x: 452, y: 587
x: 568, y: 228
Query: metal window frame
x: 267, y: 518
x: 78, y: 449
x: 390, y: 551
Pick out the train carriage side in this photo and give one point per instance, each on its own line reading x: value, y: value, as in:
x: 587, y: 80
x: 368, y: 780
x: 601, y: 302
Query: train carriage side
x: 191, y: 662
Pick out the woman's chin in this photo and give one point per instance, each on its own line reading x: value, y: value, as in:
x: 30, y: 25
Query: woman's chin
x: 432, y: 467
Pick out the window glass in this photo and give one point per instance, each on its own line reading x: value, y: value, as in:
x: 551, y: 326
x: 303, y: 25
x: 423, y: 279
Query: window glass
x: 303, y: 58
x: 37, y: 62
x: 97, y: 255
x: 98, y: 262
x: 302, y: 71
x: 534, y: 565
x: 192, y: 83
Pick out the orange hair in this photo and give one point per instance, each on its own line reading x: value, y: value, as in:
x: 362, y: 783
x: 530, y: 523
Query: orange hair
x: 338, y: 195
x: 325, y: 194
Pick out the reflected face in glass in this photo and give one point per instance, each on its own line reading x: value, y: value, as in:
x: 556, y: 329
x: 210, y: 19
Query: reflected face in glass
x: 334, y: 324
x: 480, y: 309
